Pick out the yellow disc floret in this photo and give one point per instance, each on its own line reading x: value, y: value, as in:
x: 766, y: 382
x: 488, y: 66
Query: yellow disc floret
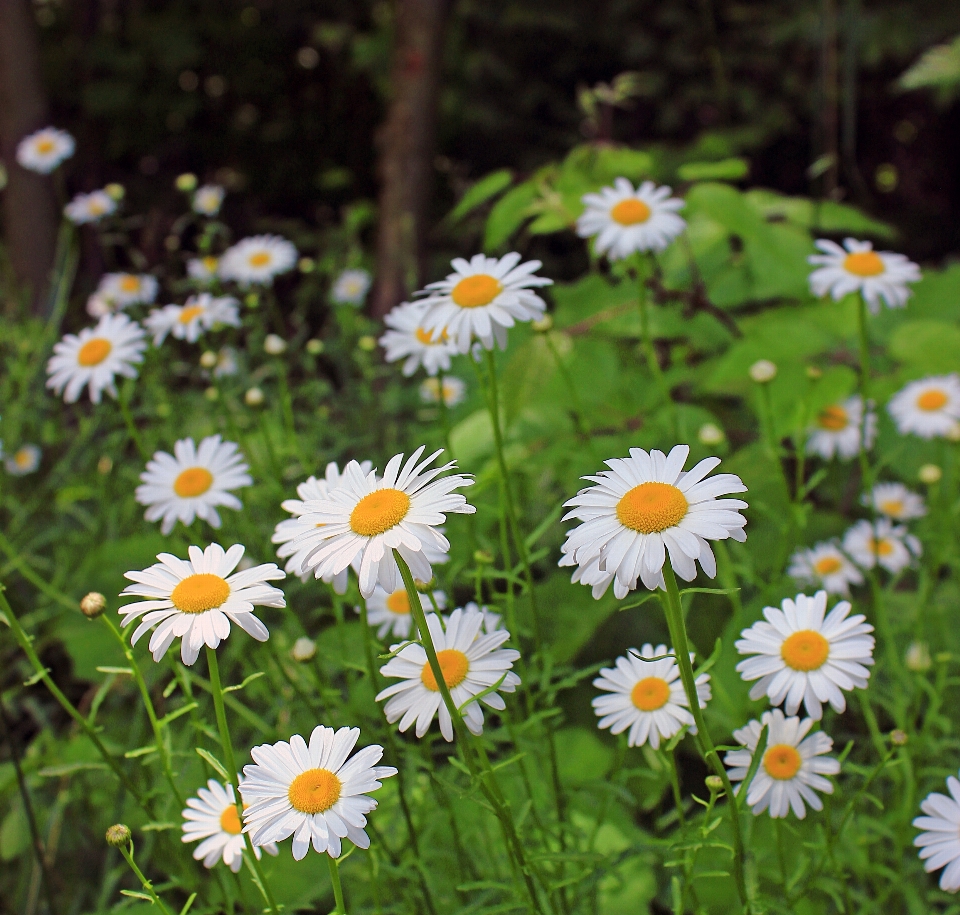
x: 833, y: 419
x: 193, y: 482
x: 379, y: 511
x: 475, y: 291
x: 630, y: 212
x: 200, y: 592
x: 399, y: 603
x: 189, y: 313
x: 260, y: 259
x: 864, y: 263
x: 230, y: 820
x: 129, y: 282
x: 929, y: 401
x: 652, y: 507
x: 805, y: 650
x: 782, y: 762
x: 93, y: 352
x: 314, y: 791
x: 454, y: 666
x: 650, y: 694
x: 828, y: 565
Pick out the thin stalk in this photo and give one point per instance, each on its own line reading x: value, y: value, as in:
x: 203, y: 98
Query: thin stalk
x: 340, y: 909
x: 866, y: 480
x: 646, y: 343
x: 577, y: 410
x: 128, y: 420
x: 673, y: 610
x: 231, y: 764
x: 675, y: 785
x: 127, y: 852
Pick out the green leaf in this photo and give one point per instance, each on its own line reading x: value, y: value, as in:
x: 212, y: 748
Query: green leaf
x: 509, y: 213
x: 214, y: 762
x: 14, y: 833
x: 116, y: 670
x: 141, y: 751
x: 939, y: 67
x: 246, y: 682
x: 928, y: 347
x: 174, y: 715
x: 724, y: 170
x: 136, y: 894
x: 188, y: 903
x: 480, y: 192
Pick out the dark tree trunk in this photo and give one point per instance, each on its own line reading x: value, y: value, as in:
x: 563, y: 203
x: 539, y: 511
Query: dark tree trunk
x: 29, y: 202
x: 406, y: 144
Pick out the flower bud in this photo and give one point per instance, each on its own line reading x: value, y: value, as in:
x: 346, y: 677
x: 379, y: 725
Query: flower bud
x: 917, y: 657
x: 814, y: 372
x: 186, y: 182
x: 482, y: 557
x: 252, y: 299
x: 92, y: 605
x: 303, y: 649
x: 253, y: 397
x: 306, y: 265
x: 211, y: 393
x: 314, y: 347
x: 105, y: 464
x: 118, y: 835
x: 543, y: 325
x: 714, y: 783
x: 929, y: 474
x: 367, y: 343
x: 274, y: 345
x: 763, y: 371
x: 209, y: 359
x: 898, y: 737
x: 710, y: 434
x: 115, y: 191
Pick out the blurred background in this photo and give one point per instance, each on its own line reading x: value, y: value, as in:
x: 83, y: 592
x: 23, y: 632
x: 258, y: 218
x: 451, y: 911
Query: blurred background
x: 383, y: 113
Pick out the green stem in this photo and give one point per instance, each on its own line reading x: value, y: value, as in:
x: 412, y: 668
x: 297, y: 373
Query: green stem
x: 127, y: 852
x: 866, y: 480
x: 128, y: 420
x: 340, y: 909
x: 577, y: 410
x: 673, y: 610
x: 646, y: 343
x: 231, y: 764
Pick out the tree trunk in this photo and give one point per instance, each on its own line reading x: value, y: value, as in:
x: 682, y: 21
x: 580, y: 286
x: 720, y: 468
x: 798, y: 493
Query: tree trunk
x: 406, y: 143
x: 29, y: 202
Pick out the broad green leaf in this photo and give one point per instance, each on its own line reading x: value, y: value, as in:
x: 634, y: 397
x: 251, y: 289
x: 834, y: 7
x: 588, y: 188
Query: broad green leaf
x: 508, y: 214
x: 927, y: 347
x: 724, y: 170
x: 480, y: 192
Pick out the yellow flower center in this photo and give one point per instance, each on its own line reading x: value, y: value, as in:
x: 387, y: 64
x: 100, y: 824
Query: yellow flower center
x: 94, y: 351
x: 210, y: 263
x: 200, y: 592
x: 314, y: 791
x: 426, y: 337
x: 805, y: 650
x: 399, y: 603
x: 833, y: 419
x: 881, y: 547
x: 96, y: 207
x: 652, y: 507
x: 129, y: 283
x: 782, y: 762
x: 260, y: 259
x: 650, y: 694
x: 892, y: 507
x: 630, y: 212
x: 192, y: 482
x: 828, y: 565
x: 189, y: 313
x: 45, y: 146
x: 378, y: 512
x: 453, y: 665
x: 230, y: 820
x: 474, y: 291
x: 23, y: 458
x: 932, y: 400
x: 865, y: 263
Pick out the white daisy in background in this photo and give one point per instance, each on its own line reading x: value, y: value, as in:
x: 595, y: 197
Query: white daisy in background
x: 90, y: 207
x: 312, y: 792
x: 207, y: 199
x: 857, y: 267
x: 226, y: 363
x: 26, y: 459
x: 836, y: 430
x: 803, y: 657
x: 98, y: 306
x: 881, y: 543
x: 625, y: 220
x: 204, y: 270
x: 366, y: 518
x: 644, y: 506
x: 929, y: 407
x: 895, y: 501
x: 351, y: 287
x: 646, y: 696
x: 470, y: 663
x: 406, y: 339
x: 939, y: 843
x: 199, y: 313
x: 257, y: 260
x: 195, y: 600
x: 454, y: 390
x: 391, y: 612
x: 792, y: 769
x: 192, y: 481
x: 95, y: 356
x: 122, y: 290
x: 492, y: 622
x: 43, y: 150
x: 824, y: 564
x: 288, y: 530
x: 212, y: 816
x: 482, y: 299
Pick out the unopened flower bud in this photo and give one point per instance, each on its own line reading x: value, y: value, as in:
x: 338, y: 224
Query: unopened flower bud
x: 303, y: 649
x: 306, y: 265
x: 211, y: 393
x: 714, y: 783
x: 93, y: 604
x: 105, y: 464
x: 898, y: 737
x: 252, y: 299
x: 118, y: 835
x: 814, y: 372
x: 209, y: 359
x: 482, y: 557
x: 763, y: 371
x: 186, y: 182
x: 367, y: 343
x: 543, y: 325
x: 314, y: 347
x: 929, y: 474
x: 274, y: 345
x: 710, y: 434
x: 425, y: 586
x: 917, y: 657
x: 115, y: 191
x: 253, y: 397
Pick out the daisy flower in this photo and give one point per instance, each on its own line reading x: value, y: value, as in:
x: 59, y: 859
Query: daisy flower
x: 351, y: 287
x: 197, y: 599
x: 288, y: 530
x: 391, y: 612
x: 212, y: 816
x: 188, y: 321
x: 837, y: 430
x: 895, y: 501
x: 804, y: 657
x: 939, y: 843
x: 929, y: 408
x: 646, y: 696
x: 95, y: 356
x: 192, y: 481
x: 625, y: 220
x: 124, y: 289
x: 366, y: 518
x: 824, y: 564
x: 407, y: 340
x: 203, y: 269
x: 856, y: 267
x: 43, y: 150
x: 482, y: 298
x: 208, y: 199
x: 257, y: 260
x: 644, y: 506
x: 26, y: 459
x: 454, y: 390
x: 881, y: 544
x: 470, y: 663
x: 90, y: 207
x: 792, y: 769
x: 312, y: 791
